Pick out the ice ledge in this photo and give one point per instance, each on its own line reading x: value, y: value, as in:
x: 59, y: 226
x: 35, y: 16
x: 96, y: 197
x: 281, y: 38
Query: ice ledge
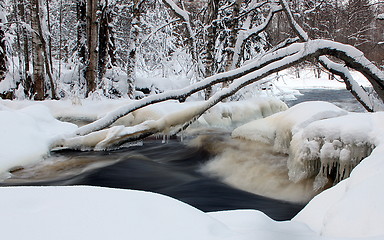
x: 322, y: 140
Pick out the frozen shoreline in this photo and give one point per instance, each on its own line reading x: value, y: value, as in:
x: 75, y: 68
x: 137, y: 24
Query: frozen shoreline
x: 334, y: 214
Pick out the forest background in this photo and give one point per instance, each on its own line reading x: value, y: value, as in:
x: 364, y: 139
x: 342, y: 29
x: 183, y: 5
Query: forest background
x: 55, y: 49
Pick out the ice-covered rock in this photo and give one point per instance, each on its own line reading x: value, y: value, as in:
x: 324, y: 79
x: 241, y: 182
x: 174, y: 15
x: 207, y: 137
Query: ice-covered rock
x: 331, y: 148
x: 322, y: 140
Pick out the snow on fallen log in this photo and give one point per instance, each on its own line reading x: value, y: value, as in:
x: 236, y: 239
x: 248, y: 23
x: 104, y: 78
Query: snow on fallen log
x: 322, y: 140
x: 255, y: 71
x: 169, y: 117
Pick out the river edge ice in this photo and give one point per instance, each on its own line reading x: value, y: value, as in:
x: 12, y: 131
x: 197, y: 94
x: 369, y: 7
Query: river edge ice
x: 352, y: 209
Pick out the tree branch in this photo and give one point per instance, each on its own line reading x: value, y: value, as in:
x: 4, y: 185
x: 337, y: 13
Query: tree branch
x: 92, y: 134
x: 340, y: 70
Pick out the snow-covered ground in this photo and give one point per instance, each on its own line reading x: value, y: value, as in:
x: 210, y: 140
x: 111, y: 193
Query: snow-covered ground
x: 353, y: 209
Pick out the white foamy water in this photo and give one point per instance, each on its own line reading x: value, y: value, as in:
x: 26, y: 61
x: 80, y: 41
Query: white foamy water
x: 254, y: 167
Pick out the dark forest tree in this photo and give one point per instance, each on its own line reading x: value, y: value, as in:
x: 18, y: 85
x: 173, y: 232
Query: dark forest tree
x: 134, y: 43
x: 106, y: 40
x: 3, y: 50
x: 99, y: 39
x: 38, y: 54
x: 211, y: 22
x: 92, y: 45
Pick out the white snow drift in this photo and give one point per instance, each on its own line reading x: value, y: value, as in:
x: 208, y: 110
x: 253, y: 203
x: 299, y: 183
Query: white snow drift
x: 351, y: 209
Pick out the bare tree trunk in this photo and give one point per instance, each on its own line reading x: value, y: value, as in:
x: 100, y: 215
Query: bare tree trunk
x: 81, y: 9
x: 49, y: 38
x: 47, y: 61
x: 19, y: 29
x: 60, y: 36
x: 234, y: 28
x: 92, y: 43
x: 106, y: 42
x: 3, y: 53
x: 134, y: 42
x: 212, y: 14
x: 27, y: 80
x: 37, y: 54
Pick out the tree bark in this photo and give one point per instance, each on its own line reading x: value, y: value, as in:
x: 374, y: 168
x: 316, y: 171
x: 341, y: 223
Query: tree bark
x: 37, y: 54
x: 27, y: 80
x: 106, y: 42
x: 134, y: 43
x: 45, y: 46
x: 81, y: 8
x: 92, y: 44
x: 3, y: 52
x: 212, y: 14
x: 234, y: 28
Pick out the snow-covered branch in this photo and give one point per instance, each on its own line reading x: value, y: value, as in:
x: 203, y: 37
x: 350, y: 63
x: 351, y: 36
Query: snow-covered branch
x: 295, y: 26
x: 369, y: 103
x: 359, y: 93
x: 184, y: 15
x: 255, y: 71
x: 246, y: 34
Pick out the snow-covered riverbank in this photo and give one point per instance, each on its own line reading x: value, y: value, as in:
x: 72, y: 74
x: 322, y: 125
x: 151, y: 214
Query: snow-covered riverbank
x: 352, y: 209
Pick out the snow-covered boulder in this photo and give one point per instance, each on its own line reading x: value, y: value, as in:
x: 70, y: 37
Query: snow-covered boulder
x: 26, y: 135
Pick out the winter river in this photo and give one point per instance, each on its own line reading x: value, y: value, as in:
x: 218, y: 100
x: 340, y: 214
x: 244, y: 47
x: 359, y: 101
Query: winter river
x: 210, y: 171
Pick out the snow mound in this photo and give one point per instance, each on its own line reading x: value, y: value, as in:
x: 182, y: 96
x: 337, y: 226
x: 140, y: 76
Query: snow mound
x: 101, y: 213
x: 233, y: 114
x: 279, y: 128
x: 354, y: 207
x: 27, y: 134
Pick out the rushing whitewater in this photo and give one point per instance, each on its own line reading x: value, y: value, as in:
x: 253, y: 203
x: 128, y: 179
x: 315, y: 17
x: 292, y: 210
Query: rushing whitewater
x: 254, y: 167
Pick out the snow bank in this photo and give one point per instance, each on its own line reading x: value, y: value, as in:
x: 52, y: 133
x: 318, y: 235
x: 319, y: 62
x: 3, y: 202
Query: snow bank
x: 80, y: 212
x: 279, y: 128
x: 307, y: 79
x: 233, y: 114
x: 354, y: 207
x: 101, y: 213
x: 228, y: 114
x: 26, y: 135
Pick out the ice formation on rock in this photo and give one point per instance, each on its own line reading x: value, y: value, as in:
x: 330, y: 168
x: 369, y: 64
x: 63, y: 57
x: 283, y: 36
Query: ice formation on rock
x: 330, y: 148
x: 322, y: 140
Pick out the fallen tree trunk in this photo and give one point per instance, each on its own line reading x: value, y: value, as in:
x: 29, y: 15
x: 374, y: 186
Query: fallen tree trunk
x: 92, y: 134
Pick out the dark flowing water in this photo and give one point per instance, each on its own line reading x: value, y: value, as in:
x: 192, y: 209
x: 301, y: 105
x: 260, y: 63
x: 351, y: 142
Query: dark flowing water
x: 341, y: 98
x: 173, y: 169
